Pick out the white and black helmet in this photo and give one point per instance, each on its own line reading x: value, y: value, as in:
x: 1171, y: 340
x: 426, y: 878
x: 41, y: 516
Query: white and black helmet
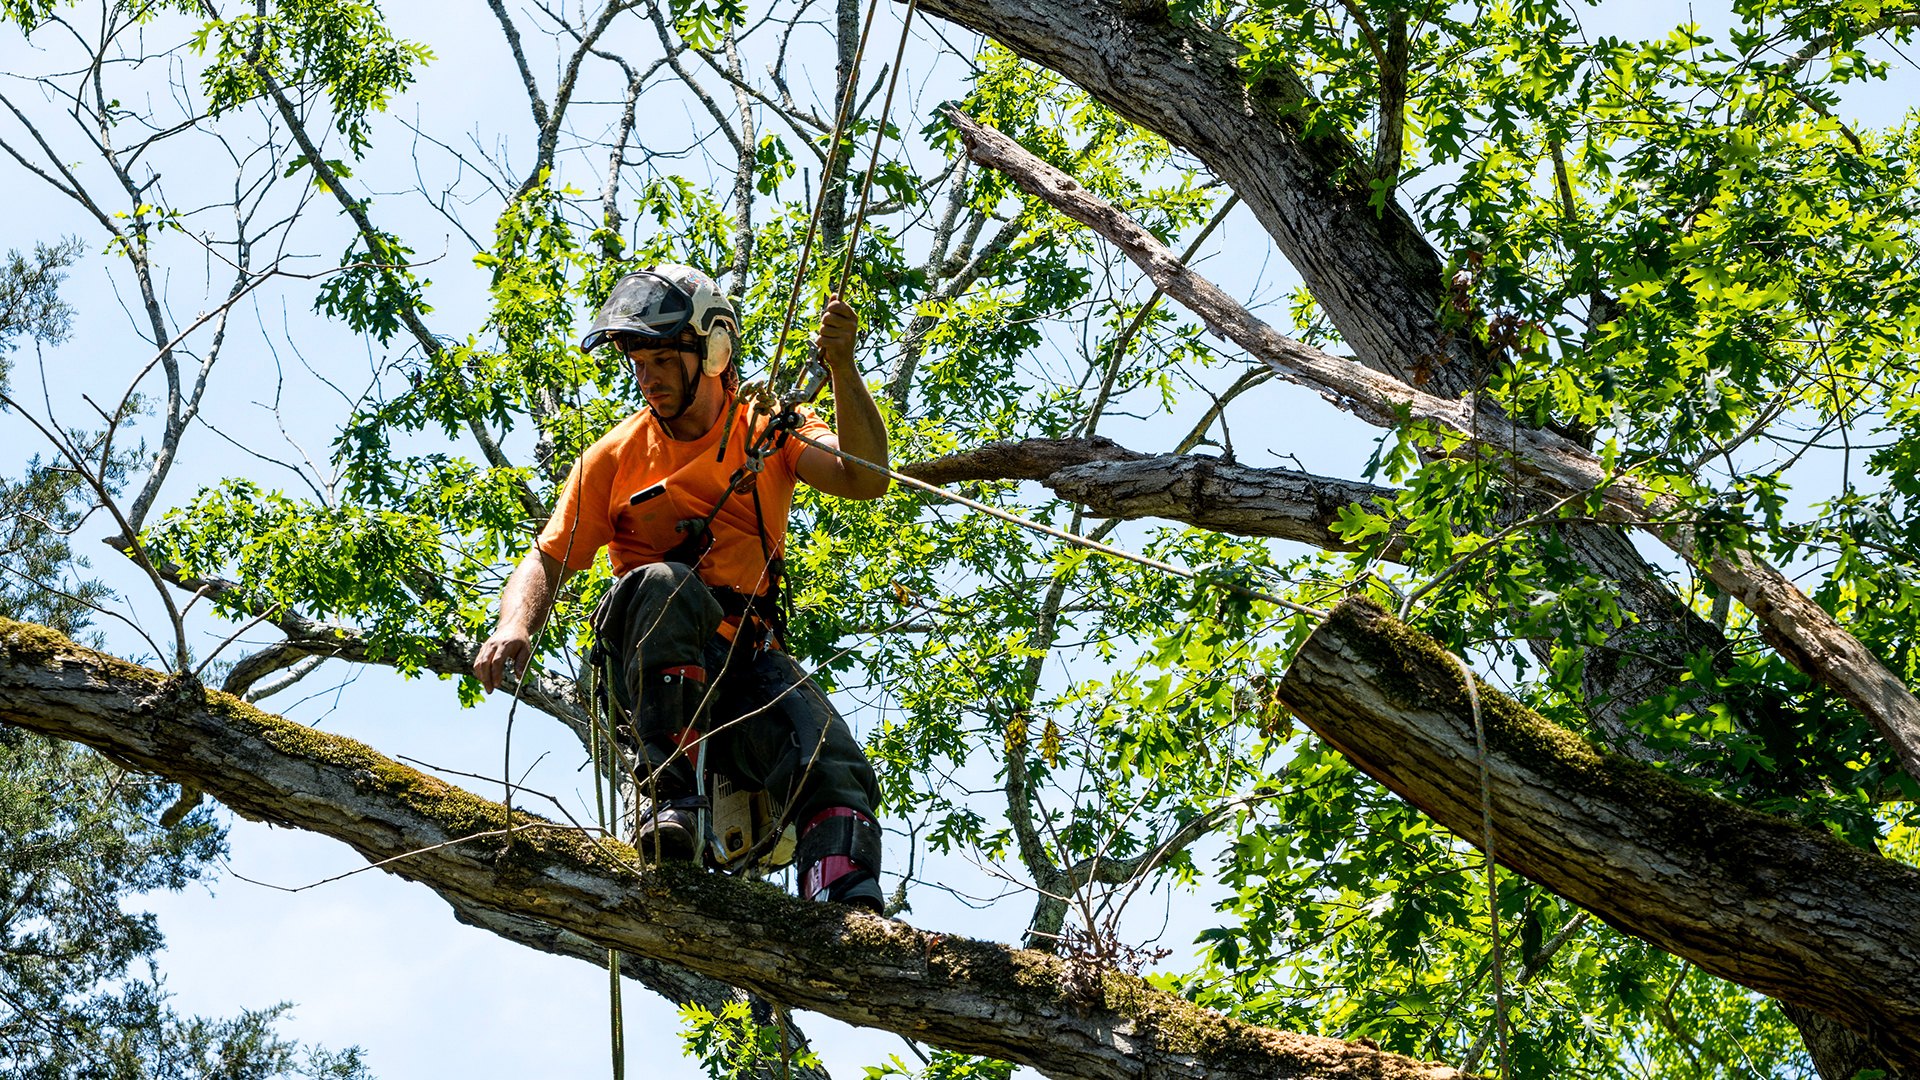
x: 661, y: 301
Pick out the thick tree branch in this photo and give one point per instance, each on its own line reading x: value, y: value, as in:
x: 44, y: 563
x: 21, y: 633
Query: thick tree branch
x: 953, y: 992
x: 1800, y: 630
x: 1117, y: 355
x: 1796, y: 914
x: 1111, y: 481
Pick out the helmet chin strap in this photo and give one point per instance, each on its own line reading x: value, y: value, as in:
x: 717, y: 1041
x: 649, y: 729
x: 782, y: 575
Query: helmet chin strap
x: 689, y: 388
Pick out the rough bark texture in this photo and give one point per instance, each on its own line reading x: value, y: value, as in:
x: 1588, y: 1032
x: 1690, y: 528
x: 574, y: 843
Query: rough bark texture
x: 1795, y: 914
x: 1799, y: 629
x: 1020, y: 459
x: 970, y: 996
x: 1839, y: 1054
x: 1114, y: 482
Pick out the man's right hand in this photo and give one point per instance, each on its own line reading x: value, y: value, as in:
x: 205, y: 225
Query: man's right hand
x: 503, y: 648
x: 524, y: 605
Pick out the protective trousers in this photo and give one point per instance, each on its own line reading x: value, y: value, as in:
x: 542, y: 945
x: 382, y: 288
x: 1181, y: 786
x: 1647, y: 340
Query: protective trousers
x: 768, y: 728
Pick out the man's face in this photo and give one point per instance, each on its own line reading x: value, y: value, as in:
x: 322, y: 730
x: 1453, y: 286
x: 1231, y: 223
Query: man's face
x: 666, y: 371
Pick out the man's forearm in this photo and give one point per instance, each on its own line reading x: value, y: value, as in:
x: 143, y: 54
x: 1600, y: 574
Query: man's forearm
x: 525, y: 604
x: 527, y: 599
x: 856, y: 419
x: 860, y: 432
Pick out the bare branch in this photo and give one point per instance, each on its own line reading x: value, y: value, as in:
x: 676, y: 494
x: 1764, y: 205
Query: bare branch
x: 1113, y: 482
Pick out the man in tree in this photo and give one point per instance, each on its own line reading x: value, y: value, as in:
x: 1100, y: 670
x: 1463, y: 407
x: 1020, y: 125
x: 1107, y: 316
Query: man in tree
x: 690, y: 497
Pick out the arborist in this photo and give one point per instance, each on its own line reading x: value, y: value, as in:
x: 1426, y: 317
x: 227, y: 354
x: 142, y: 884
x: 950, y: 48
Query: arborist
x: 693, y: 627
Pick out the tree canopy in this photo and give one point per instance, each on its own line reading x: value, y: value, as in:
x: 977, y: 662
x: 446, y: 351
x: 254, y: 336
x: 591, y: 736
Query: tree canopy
x: 1601, y: 332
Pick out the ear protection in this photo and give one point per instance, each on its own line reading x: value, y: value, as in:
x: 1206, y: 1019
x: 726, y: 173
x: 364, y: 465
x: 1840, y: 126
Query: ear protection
x: 719, y: 351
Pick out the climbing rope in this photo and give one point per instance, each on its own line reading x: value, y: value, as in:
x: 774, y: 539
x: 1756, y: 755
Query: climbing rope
x: 764, y: 442
x: 813, y: 387
x: 1486, y: 848
x: 873, y: 158
x: 820, y: 202
x: 606, y: 799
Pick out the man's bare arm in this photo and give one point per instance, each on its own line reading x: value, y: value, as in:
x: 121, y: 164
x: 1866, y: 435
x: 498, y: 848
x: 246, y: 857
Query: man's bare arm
x: 861, y: 431
x: 525, y: 604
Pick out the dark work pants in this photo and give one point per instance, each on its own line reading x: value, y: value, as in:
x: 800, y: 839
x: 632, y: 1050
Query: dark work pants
x: 768, y: 727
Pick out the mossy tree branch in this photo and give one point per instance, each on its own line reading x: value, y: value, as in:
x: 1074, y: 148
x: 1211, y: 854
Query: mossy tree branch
x: 1796, y: 914
x: 969, y: 996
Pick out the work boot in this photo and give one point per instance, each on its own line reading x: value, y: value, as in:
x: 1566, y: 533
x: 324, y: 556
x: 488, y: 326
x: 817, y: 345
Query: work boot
x: 839, y: 857
x: 668, y: 722
x: 670, y: 832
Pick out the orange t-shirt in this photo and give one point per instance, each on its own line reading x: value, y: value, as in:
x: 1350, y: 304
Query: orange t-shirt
x: 595, y: 508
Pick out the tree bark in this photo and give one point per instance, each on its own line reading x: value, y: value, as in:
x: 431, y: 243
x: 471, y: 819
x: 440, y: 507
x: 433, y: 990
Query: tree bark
x: 1061, y: 1018
x: 1800, y: 630
x: 1112, y: 481
x: 1790, y: 912
x: 1839, y: 1054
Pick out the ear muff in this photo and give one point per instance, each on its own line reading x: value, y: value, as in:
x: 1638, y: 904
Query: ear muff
x: 719, y: 351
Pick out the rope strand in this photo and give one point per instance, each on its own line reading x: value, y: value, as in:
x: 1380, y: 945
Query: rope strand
x: 820, y: 203
x: 873, y: 159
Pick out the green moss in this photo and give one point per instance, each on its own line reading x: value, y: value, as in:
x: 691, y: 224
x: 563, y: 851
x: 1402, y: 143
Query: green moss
x: 31, y: 641
x: 1413, y: 671
x: 536, y: 841
x: 1179, y: 1027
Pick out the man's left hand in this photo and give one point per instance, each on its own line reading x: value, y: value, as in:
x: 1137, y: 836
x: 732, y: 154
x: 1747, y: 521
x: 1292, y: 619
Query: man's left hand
x: 838, y: 327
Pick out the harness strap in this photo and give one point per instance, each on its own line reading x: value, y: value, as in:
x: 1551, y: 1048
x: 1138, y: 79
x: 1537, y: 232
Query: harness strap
x: 762, y: 615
